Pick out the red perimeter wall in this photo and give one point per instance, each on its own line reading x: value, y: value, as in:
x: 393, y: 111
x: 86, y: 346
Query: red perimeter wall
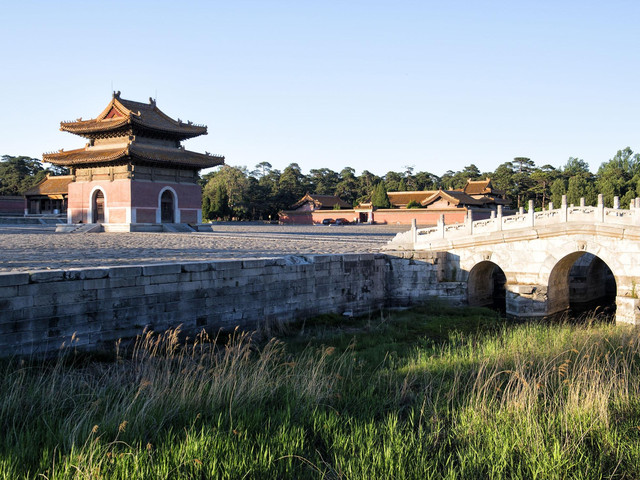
x: 390, y: 216
x: 12, y: 205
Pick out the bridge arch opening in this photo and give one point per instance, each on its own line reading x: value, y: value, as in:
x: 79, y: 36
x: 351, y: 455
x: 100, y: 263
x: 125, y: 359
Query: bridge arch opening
x: 486, y: 286
x: 581, y: 283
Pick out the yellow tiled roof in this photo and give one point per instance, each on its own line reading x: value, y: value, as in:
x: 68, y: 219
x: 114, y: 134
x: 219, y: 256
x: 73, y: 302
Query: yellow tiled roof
x: 120, y: 113
x: 134, y: 151
x: 51, y: 185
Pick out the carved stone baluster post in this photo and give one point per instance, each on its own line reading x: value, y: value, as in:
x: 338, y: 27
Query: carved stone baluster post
x: 531, y: 213
x: 563, y: 209
x: 635, y: 211
x: 616, y: 203
x: 414, y: 232
x: 582, y: 202
x: 550, y: 206
x: 470, y: 222
x: 441, y: 225
x: 600, y: 211
x: 499, y: 218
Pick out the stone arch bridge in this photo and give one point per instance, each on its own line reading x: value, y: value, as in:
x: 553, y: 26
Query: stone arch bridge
x: 544, y: 260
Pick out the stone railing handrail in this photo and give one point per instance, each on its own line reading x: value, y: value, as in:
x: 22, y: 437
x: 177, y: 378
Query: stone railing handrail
x: 566, y: 213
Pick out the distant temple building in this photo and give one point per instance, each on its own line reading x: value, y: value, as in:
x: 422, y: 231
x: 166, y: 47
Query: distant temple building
x: 49, y: 196
x: 301, y: 212
x: 477, y: 196
x: 319, y: 202
x: 134, y: 169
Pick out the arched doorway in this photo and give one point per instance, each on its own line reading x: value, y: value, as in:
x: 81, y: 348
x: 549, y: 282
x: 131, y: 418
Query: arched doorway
x: 581, y: 283
x: 167, y: 207
x: 486, y: 286
x: 97, y: 207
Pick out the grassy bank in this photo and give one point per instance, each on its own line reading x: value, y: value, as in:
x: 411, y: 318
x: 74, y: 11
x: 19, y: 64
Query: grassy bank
x: 428, y: 393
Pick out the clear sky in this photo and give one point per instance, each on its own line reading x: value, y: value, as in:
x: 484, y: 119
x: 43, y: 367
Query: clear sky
x: 369, y: 84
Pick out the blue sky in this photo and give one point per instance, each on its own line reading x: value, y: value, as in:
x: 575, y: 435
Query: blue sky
x: 373, y: 85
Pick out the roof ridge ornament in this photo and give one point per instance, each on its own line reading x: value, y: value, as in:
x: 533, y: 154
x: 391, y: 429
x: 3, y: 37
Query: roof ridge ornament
x: 116, y: 94
x: 152, y: 101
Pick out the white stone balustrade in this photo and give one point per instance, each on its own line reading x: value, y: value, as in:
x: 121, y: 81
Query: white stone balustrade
x: 529, y: 219
x: 536, y: 252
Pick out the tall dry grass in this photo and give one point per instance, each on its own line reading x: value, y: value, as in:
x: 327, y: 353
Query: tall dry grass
x: 87, y: 411
x: 525, y: 401
x: 538, y: 400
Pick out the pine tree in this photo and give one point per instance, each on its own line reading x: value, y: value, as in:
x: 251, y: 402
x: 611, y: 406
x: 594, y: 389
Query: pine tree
x: 206, y: 208
x: 220, y: 202
x: 558, y: 189
x: 379, y: 196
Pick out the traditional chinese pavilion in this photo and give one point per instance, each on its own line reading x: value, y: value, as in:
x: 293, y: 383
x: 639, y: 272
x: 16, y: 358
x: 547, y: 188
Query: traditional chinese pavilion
x: 134, y: 169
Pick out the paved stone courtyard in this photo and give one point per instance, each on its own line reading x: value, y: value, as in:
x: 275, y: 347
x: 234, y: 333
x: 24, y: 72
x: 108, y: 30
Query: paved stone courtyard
x: 25, y: 248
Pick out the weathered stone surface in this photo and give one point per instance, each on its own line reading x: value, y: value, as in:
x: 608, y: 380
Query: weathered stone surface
x: 539, y: 254
x: 41, y: 276
x: 104, y: 304
x: 128, y: 271
x: 10, y: 279
x: 162, y: 269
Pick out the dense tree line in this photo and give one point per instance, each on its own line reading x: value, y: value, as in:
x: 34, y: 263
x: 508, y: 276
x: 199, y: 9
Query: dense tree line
x: 236, y: 192
x: 19, y: 174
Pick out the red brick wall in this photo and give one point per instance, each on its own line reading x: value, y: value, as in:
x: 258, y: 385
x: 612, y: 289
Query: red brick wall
x: 145, y: 194
x: 146, y: 215
x: 316, y: 217
x: 423, y: 216
x: 389, y: 216
x: 11, y: 205
x: 117, y: 195
x: 140, y: 197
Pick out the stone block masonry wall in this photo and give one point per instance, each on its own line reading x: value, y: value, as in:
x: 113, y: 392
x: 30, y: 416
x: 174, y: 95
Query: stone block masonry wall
x: 41, y: 310
x: 414, y: 277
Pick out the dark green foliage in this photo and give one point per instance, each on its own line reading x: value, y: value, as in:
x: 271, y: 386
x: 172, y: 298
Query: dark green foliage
x: 558, y: 189
x: 619, y: 177
x: 207, y: 213
x: 324, y: 180
x: 457, y: 180
x: 220, y: 203
x: 394, y: 182
x: 18, y: 174
x: 379, y: 196
x: 265, y: 191
x: 543, y: 178
x: 413, y: 204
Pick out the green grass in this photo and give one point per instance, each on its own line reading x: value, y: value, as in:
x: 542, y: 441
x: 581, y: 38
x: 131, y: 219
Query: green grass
x: 432, y: 392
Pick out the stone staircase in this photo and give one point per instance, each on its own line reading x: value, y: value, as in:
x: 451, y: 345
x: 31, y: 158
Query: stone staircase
x: 125, y: 227
x: 178, y: 228
x: 79, y: 228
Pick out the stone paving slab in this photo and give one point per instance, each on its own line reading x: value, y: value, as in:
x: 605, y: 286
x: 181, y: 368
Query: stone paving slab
x: 27, y: 249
